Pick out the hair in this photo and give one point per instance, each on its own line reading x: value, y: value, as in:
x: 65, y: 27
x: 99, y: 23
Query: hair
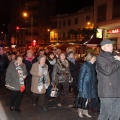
x: 50, y: 53
x: 17, y: 56
x: 89, y: 56
x: 40, y: 57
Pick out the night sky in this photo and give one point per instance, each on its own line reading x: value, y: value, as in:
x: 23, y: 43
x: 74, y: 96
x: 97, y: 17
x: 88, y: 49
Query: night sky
x: 5, y: 11
x: 63, y: 6
x: 70, y: 6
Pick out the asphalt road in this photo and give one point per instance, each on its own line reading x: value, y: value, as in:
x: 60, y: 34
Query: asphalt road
x: 35, y: 113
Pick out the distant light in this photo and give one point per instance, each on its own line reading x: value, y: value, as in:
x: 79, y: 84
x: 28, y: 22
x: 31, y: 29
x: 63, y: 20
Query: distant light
x: 88, y: 23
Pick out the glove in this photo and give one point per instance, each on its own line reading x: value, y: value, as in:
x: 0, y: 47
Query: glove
x: 22, y: 88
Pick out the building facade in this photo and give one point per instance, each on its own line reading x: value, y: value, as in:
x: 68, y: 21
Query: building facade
x: 107, y: 18
x: 33, y: 27
x: 62, y: 26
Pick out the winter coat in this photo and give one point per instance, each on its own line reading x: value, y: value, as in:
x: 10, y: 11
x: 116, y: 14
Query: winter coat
x: 34, y: 72
x: 61, y: 73
x: 108, y: 74
x: 12, y: 76
x: 74, y: 71
x: 87, y: 82
x: 29, y: 65
x: 50, y: 67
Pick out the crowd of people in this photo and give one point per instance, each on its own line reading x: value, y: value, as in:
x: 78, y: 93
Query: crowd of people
x: 97, y: 78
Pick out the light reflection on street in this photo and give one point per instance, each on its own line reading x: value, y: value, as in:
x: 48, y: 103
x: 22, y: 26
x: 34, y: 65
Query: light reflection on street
x: 2, y: 113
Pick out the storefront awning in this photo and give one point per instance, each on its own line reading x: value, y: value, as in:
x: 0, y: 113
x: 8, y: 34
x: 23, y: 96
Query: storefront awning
x: 95, y: 41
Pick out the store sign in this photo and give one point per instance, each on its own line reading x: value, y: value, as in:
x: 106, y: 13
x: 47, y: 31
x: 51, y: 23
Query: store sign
x: 114, y: 31
x: 99, y: 33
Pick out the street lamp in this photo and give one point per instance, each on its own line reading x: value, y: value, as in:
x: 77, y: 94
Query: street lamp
x: 25, y: 15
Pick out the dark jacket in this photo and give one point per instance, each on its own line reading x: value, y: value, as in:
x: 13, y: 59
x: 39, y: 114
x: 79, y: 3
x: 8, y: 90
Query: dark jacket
x: 108, y: 74
x: 87, y: 83
x: 12, y: 77
x: 74, y: 71
x: 29, y: 65
x: 50, y: 68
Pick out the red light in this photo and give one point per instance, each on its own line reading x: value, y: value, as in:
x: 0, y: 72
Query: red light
x: 34, y: 42
x: 17, y: 28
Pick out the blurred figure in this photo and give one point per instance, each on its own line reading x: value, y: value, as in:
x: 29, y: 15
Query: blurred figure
x: 51, y: 60
x: 29, y: 60
x: 41, y: 52
x: 54, y: 50
x: 12, y: 57
x: 87, y: 83
x: 46, y: 50
x: 58, y: 52
x: 61, y: 77
x: 40, y: 81
x: 73, y: 66
x: 15, y: 75
x: 3, y: 66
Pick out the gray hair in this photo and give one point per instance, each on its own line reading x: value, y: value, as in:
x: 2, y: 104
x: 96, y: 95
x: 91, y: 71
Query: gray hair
x: 40, y: 57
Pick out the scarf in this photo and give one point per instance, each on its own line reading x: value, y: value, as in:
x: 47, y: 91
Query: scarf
x: 30, y: 59
x: 20, y: 73
x: 43, y: 80
x: 52, y: 62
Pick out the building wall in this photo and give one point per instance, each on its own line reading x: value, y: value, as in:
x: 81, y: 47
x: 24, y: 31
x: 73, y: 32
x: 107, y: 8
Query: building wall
x: 60, y: 31
x: 111, y: 21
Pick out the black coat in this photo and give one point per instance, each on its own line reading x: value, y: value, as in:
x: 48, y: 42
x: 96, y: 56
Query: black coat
x: 29, y: 65
x: 108, y: 74
x: 74, y: 71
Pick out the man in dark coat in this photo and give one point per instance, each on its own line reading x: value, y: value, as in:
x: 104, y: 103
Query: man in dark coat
x: 108, y: 74
x: 3, y: 66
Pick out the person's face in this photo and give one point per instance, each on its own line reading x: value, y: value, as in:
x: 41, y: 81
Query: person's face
x: 12, y: 57
x: 46, y: 50
x: 54, y: 51
x: 42, y: 61
x: 72, y: 55
x: 19, y: 60
x: 93, y: 59
x: 62, y: 57
x: 52, y: 56
x: 41, y: 52
x: 108, y: 48
x: 29, y: 55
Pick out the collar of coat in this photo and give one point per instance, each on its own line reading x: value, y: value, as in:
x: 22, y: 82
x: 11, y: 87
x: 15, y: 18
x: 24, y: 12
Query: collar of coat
x: 61, y: 64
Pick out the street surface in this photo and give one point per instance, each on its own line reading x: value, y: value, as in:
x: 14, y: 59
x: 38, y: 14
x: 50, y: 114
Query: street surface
x: 35, y: 113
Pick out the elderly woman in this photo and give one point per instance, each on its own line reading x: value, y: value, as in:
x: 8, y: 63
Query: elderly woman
x: 61, y: 77
x: 40, y: 81
x: 87, y: 84
x: 29, y: 60
x: 15, y: 75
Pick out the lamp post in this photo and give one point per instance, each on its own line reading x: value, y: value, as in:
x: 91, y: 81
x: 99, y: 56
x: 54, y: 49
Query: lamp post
x: 25, y: 15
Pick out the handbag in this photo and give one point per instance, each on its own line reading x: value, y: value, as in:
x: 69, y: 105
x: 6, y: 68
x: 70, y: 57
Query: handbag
x: 81, y: 102
x: 54, y: 92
